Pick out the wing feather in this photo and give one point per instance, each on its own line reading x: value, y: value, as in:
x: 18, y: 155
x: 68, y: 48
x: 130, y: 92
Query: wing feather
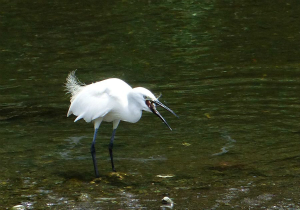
x: 90, y: 103
x: 101, y: 99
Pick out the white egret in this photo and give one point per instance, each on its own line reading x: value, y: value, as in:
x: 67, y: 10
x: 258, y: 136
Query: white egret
x: 110, y: 100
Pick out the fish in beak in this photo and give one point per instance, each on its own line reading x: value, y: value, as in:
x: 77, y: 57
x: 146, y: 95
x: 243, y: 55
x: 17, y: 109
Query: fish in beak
x: 152, y: 107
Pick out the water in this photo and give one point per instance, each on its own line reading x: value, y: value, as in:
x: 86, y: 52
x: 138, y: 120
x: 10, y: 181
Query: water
x: 230, y: 70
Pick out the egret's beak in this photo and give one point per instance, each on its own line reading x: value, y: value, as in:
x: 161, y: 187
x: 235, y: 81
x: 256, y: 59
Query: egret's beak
x: 152, y: 107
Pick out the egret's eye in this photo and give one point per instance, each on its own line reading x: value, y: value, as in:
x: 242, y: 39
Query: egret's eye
x: 145, y: 97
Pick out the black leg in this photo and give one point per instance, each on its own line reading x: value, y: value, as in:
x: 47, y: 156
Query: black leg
x: 93, y: 151
x: 111, y: 145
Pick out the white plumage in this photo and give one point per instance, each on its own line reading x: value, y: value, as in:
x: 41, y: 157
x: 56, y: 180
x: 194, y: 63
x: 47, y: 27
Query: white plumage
x: 107, y: 100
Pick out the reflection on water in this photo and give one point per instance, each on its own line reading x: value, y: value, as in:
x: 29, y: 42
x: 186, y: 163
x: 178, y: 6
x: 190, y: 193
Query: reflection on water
x: 72, y: 143
x: 229, y: 143
x: 230, y: 70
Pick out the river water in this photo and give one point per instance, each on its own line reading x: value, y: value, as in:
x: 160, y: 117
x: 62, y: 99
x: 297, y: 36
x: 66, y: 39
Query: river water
x: 229, y: 69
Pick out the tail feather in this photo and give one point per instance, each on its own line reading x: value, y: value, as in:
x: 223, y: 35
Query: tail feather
x: 73, y: 85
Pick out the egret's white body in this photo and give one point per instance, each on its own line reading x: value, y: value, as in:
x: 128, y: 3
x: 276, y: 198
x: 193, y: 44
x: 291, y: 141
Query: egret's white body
x: 110, y: 100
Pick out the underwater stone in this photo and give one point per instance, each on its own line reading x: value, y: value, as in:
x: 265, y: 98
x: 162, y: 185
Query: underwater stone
x: 18, y: 207
x: 167, y: 202
x: 84, y: 197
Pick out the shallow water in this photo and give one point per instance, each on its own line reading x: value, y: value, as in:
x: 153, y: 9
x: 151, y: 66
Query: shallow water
x: 230, y: 70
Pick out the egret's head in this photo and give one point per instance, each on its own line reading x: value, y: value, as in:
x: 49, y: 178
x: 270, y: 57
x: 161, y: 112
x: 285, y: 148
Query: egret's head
x: 149, y: 102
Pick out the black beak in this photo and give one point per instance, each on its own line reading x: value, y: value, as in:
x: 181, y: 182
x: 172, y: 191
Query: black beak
x: 151, y: 105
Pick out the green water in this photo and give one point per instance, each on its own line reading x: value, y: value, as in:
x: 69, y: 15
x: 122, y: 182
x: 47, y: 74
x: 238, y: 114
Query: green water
x: 229, y: 69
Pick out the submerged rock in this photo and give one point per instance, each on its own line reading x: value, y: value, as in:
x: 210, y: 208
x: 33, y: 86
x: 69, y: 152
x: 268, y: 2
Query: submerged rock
x: 18, y: 207
x: 167, y: 202
x: 165, y: 175
x: 84, y: 197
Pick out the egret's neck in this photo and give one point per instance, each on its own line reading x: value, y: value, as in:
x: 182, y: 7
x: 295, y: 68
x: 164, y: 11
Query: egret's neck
x: 134, y: 107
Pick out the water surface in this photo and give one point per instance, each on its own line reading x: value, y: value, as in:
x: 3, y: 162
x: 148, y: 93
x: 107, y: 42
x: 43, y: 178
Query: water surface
x: 230, y: 70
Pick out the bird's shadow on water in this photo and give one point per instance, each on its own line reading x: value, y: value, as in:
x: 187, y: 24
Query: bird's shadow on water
x: 80, y: 176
